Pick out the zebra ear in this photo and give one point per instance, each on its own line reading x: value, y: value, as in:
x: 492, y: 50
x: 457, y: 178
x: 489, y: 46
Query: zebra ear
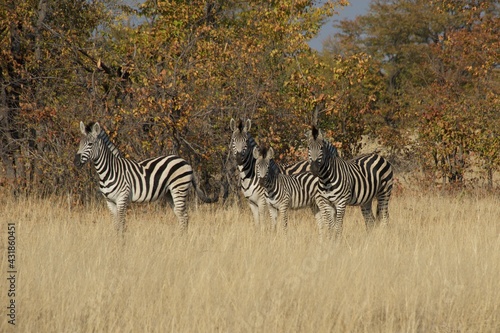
x: 270, y: 153
x: 96, y: 129
x: 248, y: 124
x: 320, y: 135
x: 256, y: 153
x: 231, y: 125
x: 82, y: 128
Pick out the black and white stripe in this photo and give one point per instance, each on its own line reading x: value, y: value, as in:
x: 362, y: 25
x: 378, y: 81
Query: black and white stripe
x: 284, y: 192
x: 355, y: 182
x: 122, y: 180
x: 242, y: 145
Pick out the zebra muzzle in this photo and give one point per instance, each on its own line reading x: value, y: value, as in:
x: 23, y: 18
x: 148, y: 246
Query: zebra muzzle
x: 262, y: 182
x: 78, y: 161
x: 239, y: 159
x: 315, y: 168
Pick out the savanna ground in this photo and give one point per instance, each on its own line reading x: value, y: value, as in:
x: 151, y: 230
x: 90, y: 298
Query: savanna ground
x: 436, y: 268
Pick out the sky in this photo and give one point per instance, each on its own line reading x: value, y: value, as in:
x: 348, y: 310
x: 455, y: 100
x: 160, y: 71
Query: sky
x: 356, y: 7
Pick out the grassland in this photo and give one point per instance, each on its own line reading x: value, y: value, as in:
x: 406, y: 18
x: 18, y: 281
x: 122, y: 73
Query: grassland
x: 435, y: 269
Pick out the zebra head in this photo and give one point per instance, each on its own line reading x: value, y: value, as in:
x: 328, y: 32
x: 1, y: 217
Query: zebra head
x: 86, y: 149
x: 263, y: 163
x: 315, y: 149
x: 240, y: 140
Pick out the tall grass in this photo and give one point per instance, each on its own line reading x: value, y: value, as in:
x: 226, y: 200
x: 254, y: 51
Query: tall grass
x: 436, y: 268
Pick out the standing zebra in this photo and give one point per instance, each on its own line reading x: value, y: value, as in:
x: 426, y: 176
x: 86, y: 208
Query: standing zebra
x: 122, y: 180
x: 242, y: 145
x: 354, y: 182
x: 285, y: 191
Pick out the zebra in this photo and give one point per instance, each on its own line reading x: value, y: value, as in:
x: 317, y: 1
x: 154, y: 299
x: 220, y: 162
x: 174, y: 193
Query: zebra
x: 123, y: 180
x: 242, y: 145
x: 283, y: 191
x: 355, y: 182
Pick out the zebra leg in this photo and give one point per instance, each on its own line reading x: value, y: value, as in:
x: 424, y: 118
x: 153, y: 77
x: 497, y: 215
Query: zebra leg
x: 339, y: 220
x: 255, y: 211
x: 118, y: 210
x: 383, y: 210
x: 273, y: 212
x: 383, y: 202
x: 179, y: 206
x: 366, y: 210
x: 262, y: 203
x: 284, y: 217
x: 114, y: 212
x: 326, y: 214
x: 317, y: 215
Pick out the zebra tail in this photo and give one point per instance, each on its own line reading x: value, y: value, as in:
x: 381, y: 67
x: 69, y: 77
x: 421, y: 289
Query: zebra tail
x: 202, y: 194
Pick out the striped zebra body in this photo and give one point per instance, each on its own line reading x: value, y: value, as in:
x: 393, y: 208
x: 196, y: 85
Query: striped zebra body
x: 122, y: 180
x: 356, y: 182
x: 242, y: 145
x: 282, y: 191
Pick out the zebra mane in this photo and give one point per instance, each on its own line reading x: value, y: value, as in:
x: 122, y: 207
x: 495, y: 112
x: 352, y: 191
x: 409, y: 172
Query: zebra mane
x: 315, y: 132
x: 273, y: 166
x: 88, y: 127
x: 105, y: 139
x: 327, y: 145
x: 263, y: 151
x: 330, y: 148
x: 241, y: 125
x: 251, y: 141
x: 111, y: 146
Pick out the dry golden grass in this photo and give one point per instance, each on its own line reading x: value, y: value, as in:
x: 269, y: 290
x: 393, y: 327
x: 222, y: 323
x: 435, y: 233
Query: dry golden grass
x: 435, y: 269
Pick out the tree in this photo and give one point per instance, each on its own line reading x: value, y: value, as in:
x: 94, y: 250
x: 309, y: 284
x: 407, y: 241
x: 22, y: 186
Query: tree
x: 437, y: 59
x: 162, y: 78
x: 42, y: 42
x: 464, y: 79
x: 195, y: 65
